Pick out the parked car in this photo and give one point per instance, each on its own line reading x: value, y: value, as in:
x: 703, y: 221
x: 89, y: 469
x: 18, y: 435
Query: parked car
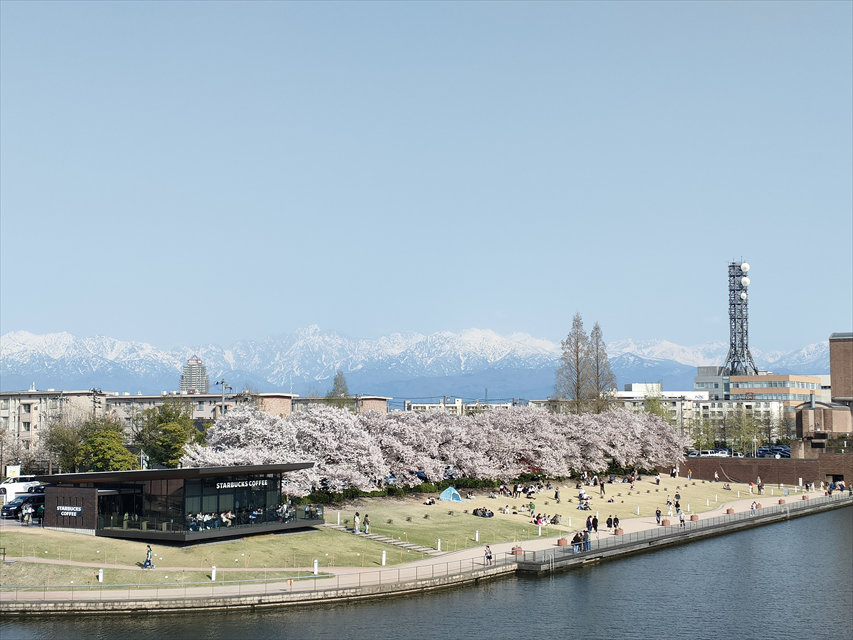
x: 13, y: 509
x: 14, y: 486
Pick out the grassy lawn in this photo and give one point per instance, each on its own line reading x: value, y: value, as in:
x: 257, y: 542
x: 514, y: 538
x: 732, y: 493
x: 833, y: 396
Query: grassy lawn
x: 293, y: 553
x: 410, y: 520
x: 35, y: 576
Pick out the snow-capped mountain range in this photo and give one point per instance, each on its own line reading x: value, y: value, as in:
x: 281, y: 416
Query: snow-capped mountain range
x: 475, y: 363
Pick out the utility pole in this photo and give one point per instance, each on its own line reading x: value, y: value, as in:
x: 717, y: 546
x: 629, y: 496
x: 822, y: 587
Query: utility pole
x: 224, y: 386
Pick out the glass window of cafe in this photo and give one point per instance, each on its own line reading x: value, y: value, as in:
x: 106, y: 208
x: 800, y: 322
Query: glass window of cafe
x: 232, y: 493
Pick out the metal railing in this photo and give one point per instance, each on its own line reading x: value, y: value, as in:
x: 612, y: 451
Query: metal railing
x: 610, y: 541
x: 312, y: 514
x: 403, y: 577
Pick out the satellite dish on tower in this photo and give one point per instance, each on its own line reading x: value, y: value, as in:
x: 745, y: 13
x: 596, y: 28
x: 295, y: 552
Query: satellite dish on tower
x: 743, y: 295
x: 744, y: 267
x: 744, y: 281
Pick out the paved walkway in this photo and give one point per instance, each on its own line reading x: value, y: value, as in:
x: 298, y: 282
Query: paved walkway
x: 439, y: 564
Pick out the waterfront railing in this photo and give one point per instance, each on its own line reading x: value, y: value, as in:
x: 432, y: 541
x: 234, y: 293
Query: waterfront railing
x: 404, y: 577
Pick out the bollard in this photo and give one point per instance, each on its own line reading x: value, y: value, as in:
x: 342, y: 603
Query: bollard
x: 771, y: 491
x: 477, y: 536
x: 100, y: 575
x: 540, y: 529
x: 716, y: 499
x: 707, y: 502
x: 438, y: 547
x: 383, y: 557
x: 315, y: 566
x: 638, y: 509
x: 738, y: 493
x: 688, y: 507
x: 339, y: 518
x: 213, y: 574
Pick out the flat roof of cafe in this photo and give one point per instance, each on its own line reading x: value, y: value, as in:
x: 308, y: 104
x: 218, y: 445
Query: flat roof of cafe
x: 184, y: 473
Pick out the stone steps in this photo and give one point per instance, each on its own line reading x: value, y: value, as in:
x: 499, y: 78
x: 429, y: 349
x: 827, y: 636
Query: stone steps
x: 387, y: 540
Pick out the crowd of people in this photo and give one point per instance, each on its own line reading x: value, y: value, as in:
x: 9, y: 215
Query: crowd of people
x: 202, y: 521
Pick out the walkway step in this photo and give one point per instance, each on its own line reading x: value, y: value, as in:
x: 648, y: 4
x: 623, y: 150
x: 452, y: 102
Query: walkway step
x: 397, y: 543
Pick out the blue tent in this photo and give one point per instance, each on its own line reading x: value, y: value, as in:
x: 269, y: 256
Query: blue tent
x: 451, y: 495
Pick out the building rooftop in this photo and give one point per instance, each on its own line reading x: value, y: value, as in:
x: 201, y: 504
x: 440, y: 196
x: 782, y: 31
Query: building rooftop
x: 170, y: 474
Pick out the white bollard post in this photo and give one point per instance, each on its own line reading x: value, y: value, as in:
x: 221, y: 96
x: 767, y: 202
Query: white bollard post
x: 738, y: 493
x: 477, y: 536
x: 383, y: 557
x: 100, y: 575
x: 570, y: 523
x: 688, y: 507
x: 315, y: 566
x: 771, y: 491
x: 213, y: 574
x: 540, y: 529
x: 716, y: 499
x: 339, y: 518
x: 438, y: 547
x: 638, y: 509
x: 707, y: 502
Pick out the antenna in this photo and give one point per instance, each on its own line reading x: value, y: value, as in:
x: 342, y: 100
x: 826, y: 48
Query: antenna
x: 739, y: 360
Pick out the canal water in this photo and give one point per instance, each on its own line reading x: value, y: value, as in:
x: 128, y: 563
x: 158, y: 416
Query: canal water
x: 787, y: 580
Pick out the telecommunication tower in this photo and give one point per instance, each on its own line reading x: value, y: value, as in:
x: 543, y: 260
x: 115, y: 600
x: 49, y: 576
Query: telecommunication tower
x: 739, y: 360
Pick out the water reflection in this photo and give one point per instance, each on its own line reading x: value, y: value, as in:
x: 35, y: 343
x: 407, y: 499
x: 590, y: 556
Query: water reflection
x: 787, y: 580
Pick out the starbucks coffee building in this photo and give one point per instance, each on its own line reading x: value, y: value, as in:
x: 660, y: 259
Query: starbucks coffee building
x: 176, y: 505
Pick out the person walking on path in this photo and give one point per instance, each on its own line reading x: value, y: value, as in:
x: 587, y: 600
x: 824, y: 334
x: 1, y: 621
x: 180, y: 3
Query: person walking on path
x: 589, y: 523
x: 601, y: 489
x: 356, y: 523
x: 595, y: 523
x: 366, y: 525
x: 488, y: 554
x: 752, y: 508
x: 586, y: 541
x: 609, y: 522
x: 681, y: 519
x: 148, y: 564
x: 657, y: 515
x: 615, y: 522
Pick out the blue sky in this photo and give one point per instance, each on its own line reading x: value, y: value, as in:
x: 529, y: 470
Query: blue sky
x: 183, y: 173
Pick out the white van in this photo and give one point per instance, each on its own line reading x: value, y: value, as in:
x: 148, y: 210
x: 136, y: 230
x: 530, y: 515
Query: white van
x: 13, y: 486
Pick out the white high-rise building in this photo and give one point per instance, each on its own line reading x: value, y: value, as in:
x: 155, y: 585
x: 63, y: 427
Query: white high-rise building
x: 195, y: 378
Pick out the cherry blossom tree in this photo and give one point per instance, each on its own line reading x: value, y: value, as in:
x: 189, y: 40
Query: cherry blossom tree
x: 362, y: 451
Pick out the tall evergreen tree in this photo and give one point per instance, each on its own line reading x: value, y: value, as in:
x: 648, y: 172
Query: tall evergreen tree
x: 573, y: 378
x: 603, y: 380
x: 339, y: 386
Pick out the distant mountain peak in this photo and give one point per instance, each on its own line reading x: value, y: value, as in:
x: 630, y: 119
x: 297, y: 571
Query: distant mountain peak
x: 479, y: 359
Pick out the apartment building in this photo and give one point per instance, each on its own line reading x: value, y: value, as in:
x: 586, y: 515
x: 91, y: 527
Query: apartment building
x: 25, y: 415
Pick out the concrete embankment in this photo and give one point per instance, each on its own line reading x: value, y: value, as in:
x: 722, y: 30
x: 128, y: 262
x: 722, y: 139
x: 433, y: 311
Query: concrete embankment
x: 461, y: 568
x: 561, y: 558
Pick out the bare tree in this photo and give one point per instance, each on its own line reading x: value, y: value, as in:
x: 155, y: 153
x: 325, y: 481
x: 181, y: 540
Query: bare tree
x: 603, y: 381
x: 574, y: 377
